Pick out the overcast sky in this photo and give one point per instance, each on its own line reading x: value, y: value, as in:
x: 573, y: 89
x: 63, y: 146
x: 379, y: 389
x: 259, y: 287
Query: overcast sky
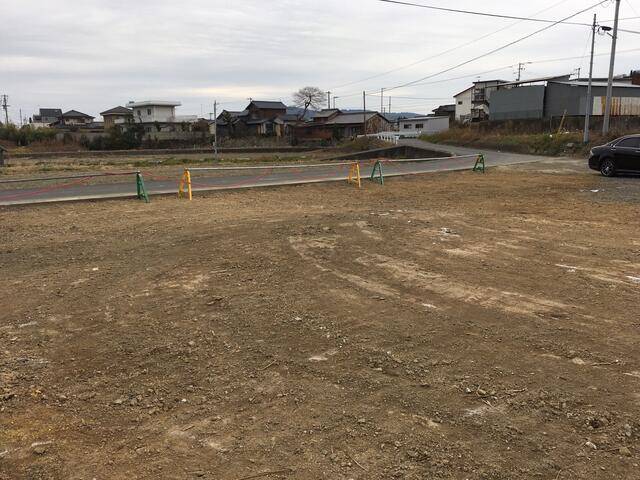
x: 91, y: 55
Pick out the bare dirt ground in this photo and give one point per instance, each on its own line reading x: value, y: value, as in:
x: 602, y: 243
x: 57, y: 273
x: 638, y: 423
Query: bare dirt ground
x: 450, y: 326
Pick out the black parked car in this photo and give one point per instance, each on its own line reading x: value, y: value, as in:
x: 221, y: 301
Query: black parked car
x: 620, y: 156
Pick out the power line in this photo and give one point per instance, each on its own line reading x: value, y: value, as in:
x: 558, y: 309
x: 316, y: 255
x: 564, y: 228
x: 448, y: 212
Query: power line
x: 495, y: 50
x: 494, y: 70
x: 472, y: 42
x: 491, y: 15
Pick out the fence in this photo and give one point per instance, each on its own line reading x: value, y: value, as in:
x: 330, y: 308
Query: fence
x: 351, y: 171
x: 10, y: 194
x: 186, y: 183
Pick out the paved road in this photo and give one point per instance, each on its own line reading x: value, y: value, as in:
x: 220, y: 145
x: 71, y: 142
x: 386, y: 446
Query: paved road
x: 233, y: 179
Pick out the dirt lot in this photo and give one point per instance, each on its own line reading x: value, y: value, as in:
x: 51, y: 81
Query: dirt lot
x: 451, y: 326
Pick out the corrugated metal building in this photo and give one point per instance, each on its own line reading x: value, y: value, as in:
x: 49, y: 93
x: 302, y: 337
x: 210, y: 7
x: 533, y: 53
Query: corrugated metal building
x: 555, y: 98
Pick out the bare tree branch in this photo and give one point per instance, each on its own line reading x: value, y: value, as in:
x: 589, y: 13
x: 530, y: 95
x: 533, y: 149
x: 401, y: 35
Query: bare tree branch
x: 308, y: 97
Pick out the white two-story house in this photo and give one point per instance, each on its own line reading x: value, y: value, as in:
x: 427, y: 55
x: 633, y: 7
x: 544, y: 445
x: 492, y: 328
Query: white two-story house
x: 160, y: 120
x: 151, y: 111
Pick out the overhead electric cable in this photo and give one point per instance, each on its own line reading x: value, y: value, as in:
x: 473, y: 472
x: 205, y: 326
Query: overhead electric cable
x: 445, y: 52
x: 495, y: 50
x: 492, y: 15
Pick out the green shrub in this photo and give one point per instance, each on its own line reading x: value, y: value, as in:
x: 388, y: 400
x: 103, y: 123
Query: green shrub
x: 26, y: 134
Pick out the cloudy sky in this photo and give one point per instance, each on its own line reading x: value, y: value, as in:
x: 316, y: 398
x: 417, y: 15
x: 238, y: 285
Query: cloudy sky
x: 92, y: 55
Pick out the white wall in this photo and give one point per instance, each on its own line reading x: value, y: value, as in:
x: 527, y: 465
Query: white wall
x: 424, y: 125
x: 463, y: 104
x: 154, y: 113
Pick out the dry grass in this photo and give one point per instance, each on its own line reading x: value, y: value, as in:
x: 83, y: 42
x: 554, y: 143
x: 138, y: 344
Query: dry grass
x: 552, y: 144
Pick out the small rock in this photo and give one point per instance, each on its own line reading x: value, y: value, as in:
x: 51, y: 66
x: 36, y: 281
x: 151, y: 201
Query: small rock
x: 40, y: 450
x: 118, y: 401
x: 591, y: 445
x: 362, y: 420
x: 624, y: 451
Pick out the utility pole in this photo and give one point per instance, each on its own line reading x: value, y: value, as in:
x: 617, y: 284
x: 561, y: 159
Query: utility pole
x: 328, y: 100
x: 612, y: 63
x: 215, y: 130
x: 389, y: 104
x: 334, y: 101
x: 521, y: 66
x: 5, y: 107
x: 382, y: 100
x: 589, y: 106
x: 364, y: 113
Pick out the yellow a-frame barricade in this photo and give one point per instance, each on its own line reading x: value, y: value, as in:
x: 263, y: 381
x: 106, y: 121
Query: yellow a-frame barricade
x: 185, y: 181
x: 354, y: 175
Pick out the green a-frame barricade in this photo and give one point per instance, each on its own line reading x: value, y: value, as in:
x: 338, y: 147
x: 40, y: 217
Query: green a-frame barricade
x: 479, y: 166
x: 140, y: 188
x: 376, y: 173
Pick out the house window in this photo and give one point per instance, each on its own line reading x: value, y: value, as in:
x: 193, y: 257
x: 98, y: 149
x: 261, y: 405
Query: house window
x: 419, y: 125
x: 139, y: 113
x: 459, y: 102
x: 148, y: 111
x: 407, y: 126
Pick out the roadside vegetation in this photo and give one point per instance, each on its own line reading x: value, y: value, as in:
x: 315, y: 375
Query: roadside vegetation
x: 551, y: 144
x: 25, y: 135
x: 361, y: 144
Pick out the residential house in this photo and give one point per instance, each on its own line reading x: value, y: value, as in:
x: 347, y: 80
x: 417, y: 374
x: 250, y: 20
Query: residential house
x: 482, y: 92
x: 45, y: 117
x: 258, y: 119
x: 152, y: 111
x: 558, y: 96
x: 229, y: 124
x: 446, y: 111
x: 472, y: 104
x: 160, y: 122
x: 74, y: 118
x: 335, y: 125
x: 117, y: 116
x: 417, y: 126
x: 284, y: 124
x: 325, y: 115
x: 260, y: 110
x: 464, y: 103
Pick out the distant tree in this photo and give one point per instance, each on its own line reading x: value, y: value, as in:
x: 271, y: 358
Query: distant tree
x: 230, y: 121
x: 308, y: 97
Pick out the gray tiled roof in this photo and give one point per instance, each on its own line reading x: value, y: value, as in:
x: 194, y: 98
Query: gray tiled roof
x: 346, y: 118
x: 50, y: 112
x: 117, y: 111
x: 75, y: 113
x: 268, y: 105
x: 326, y: 113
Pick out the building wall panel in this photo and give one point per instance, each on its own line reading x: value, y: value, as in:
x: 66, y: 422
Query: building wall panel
x: 619, y: 106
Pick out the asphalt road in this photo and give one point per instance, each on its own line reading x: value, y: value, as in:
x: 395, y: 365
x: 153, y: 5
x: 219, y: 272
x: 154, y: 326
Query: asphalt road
x: 84, y: 189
